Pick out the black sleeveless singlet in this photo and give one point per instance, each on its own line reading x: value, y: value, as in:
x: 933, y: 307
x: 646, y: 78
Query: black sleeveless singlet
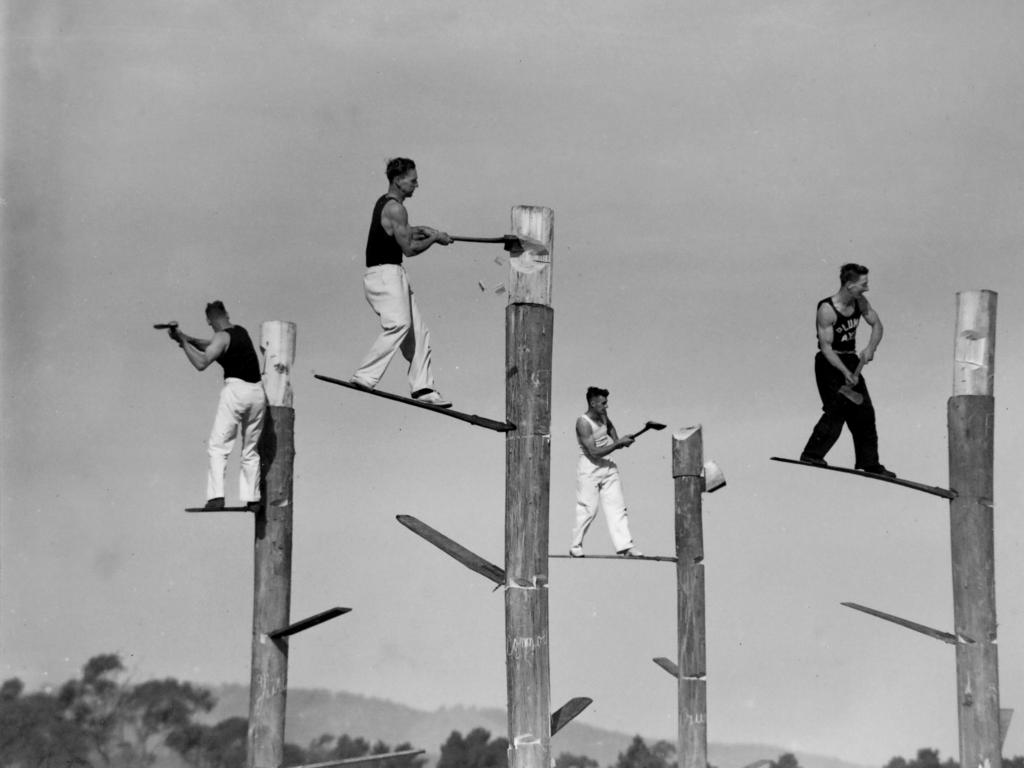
x: 381, y: 248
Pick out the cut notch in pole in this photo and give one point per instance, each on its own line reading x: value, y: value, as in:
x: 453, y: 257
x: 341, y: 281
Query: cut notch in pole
x: 312, y: 621
x: 974, y: 350
x: 938, y: 634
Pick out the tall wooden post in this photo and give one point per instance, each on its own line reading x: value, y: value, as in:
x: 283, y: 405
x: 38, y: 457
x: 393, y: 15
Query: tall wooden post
x: 529, y: 322
x: 971, y: 423
x: 273, y: 553
x: 687, y: 464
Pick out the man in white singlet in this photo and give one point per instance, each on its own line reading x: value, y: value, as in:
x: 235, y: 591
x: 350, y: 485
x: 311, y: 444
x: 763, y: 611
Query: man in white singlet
x: 597, y: 477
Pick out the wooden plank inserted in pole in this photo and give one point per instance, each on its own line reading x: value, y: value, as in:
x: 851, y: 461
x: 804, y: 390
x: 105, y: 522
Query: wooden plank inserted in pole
x: 667, y: 664
x: 467, y: 557
x: 309, y: 623
x: 529, y: 323
x: 272, y: 553
x: 687, y: 469
x: 971, y: 416
x: 568, y: 712
x: 937, y: 634
x: 365, y: 759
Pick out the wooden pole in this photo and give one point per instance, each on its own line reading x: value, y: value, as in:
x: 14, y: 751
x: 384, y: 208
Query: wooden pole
x: 529, y: 321
x: 687, y: 465
x: 971, y: 413
x: 273, y: 553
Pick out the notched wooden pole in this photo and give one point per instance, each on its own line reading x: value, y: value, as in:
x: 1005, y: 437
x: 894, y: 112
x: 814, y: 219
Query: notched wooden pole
x: 971, y: 415
x: 687, y: 471
x: 974, y: 350
x: 272, y: 553
x: 529, y: 322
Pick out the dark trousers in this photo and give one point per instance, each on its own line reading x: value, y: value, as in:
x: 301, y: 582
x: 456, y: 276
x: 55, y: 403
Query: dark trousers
x: 838, y: 410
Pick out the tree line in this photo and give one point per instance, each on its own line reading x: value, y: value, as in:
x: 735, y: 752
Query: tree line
x: 103, y: 720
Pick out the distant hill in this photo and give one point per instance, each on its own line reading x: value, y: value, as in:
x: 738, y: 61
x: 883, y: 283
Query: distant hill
x: 313, y: 712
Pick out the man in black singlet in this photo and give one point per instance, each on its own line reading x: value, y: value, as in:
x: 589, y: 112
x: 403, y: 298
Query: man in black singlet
x: 388, y: 291
x: 837, y: 365
x: 242, y: 403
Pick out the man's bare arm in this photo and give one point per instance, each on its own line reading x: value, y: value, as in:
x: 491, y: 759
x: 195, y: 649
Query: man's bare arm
x: 202, y: 358
x: 412, y: 240
x: 585, y: 433
x: 198, y: 343
x: 871, y: 318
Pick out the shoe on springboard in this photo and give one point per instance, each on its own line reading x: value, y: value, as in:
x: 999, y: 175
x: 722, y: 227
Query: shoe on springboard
x: 814, y: 460
x: 431, y: 397
x: 214, y: 503
x: 877, y: 469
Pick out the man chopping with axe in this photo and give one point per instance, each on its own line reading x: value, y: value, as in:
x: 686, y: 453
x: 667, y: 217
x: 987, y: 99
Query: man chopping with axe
x: 597, y: 477
x: 242, y: 403
x: 388, y: 291
x: 837, y: 366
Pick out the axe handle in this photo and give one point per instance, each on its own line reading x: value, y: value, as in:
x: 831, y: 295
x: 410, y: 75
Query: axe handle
x: 635, y: 435
x: 478, y: 239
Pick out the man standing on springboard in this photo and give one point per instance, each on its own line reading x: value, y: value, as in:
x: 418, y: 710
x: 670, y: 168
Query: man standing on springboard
x: 388, y: 291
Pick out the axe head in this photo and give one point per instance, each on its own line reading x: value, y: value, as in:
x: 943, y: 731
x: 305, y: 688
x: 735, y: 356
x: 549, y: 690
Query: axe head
x: 850, y: 394
x: 516, y: 244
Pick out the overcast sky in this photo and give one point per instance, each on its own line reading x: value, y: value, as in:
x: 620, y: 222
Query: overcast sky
x: 710, y: 166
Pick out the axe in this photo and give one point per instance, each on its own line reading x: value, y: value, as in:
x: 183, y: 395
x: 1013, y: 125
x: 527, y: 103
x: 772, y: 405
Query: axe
x: 848, y: 392
x: 649, y: 425
x: 512, y: 243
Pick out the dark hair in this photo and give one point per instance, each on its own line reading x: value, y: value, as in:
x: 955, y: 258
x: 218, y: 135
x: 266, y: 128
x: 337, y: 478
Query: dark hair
x: 850, y: 272
x: 593, y: 392
x: 216, y: 308
x: 399, y: 166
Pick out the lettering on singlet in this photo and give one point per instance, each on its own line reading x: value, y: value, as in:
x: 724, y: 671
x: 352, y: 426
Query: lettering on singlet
x: 844, y: 329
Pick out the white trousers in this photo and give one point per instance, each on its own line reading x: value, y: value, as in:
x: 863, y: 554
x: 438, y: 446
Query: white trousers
x: 389, y: 294
x: 598, y: 485
x: 242, y: 406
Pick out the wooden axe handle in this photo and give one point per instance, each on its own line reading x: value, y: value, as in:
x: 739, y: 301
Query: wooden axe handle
x: 462, y: 239
x: 648, y: 425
